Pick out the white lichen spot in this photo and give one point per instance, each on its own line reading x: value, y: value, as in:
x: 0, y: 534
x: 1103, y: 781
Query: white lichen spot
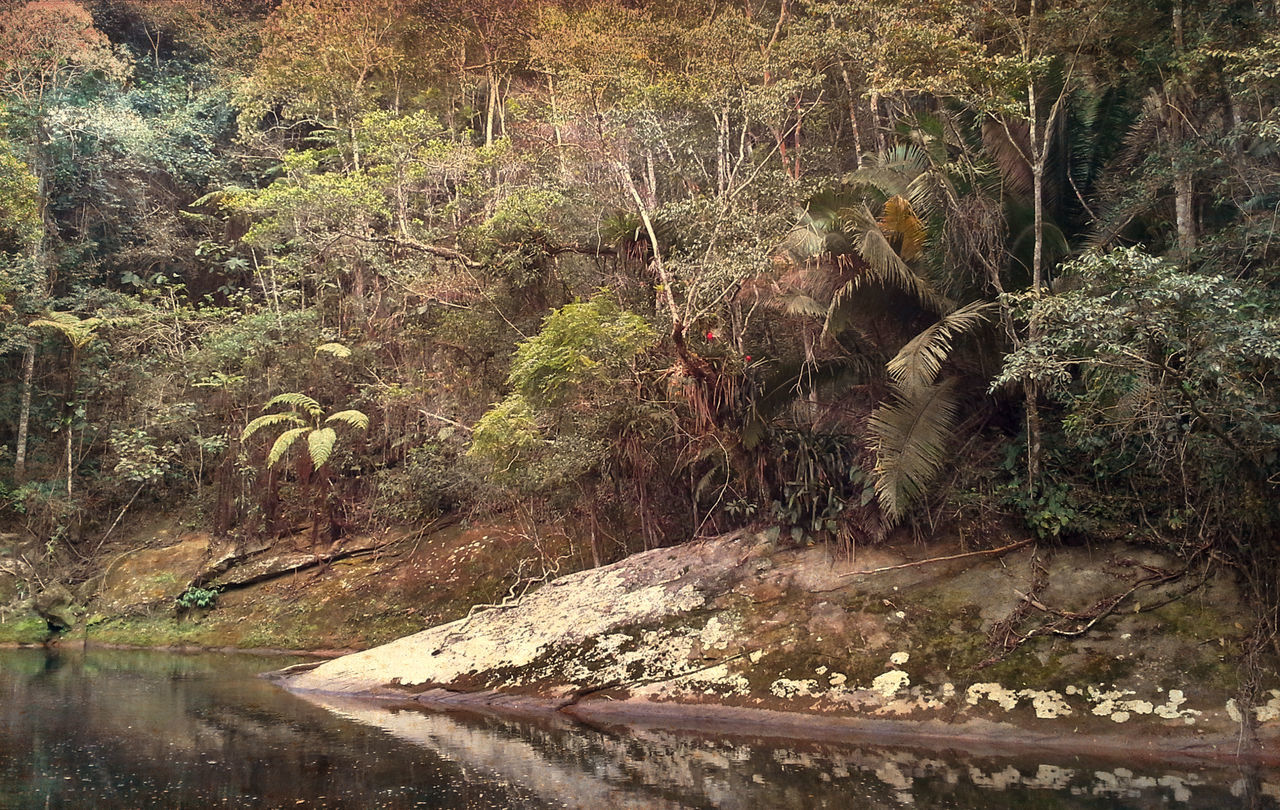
x: 948, y: 691
x: 715, y: 634
x: 889, y: 683
x: 1049, y: 705
x: 1270, y: 710
x: 756, y: 656
x: 788, y: 689
x: 1006, y: 699
x: 901, y: 614
x: 1072, y: 689
x: 1119, y: 717
x: 821, y: 670
x: 1233, y: 711
x: 838, y: 679
x: 899, y: 658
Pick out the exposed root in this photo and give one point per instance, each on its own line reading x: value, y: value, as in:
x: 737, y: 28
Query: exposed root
x: 986, y: 553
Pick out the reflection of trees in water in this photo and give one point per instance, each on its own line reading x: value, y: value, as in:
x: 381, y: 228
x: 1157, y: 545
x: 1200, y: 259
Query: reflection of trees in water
x: 139, y: 729
x: 650, y: 768
x: 150, y: 730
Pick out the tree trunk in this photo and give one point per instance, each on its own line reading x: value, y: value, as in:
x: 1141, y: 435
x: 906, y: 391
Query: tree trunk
x: 853, y: 115
x: 1184, y: 209
x: 491, y: 106
x: 24, y: 413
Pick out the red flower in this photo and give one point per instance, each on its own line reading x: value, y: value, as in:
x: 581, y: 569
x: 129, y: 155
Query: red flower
x: 747, y: 358
x: 711, y: 336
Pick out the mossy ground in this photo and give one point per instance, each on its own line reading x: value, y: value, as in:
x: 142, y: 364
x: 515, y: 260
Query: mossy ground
x: 351, y: 604
x: 23, y: 630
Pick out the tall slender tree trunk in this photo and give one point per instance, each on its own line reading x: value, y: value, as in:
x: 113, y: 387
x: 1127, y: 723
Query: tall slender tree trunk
x: 69, y: 413
x: 491, y: 106
x: 853, y: 114
x: 882, y: 147
x: 1183, y: 192
x: 24, y: 412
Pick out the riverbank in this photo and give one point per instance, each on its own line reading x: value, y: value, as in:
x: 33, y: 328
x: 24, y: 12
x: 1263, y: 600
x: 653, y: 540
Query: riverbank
x: 735, y: 631
x: 363, y: 591
x: 1109, y: 647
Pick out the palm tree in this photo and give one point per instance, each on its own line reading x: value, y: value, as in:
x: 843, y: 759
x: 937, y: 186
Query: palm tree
x: 306, y: 417
x: 875, y: 237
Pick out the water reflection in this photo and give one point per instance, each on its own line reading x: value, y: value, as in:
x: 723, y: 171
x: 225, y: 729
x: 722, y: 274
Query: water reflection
x: 654, y: 768
x: 112, y: 729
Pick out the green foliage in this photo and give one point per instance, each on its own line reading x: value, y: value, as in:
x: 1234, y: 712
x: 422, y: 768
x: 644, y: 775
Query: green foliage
x: 571, y: 396
x: 1164, y: 375
x: 198, y: 597
x: 140, y: 459
x: 19, y: 200
x: 581, y: 346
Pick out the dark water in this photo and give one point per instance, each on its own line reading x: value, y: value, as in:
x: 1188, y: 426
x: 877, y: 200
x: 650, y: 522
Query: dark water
x: 111, y: 729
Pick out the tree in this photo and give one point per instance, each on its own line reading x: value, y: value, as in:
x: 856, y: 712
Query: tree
x: 79, y: 334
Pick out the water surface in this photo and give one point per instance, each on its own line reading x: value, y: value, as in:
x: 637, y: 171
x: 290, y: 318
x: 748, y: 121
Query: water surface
x: 114, y: 729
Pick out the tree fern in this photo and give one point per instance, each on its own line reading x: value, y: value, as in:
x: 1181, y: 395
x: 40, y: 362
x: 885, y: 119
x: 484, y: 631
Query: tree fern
x: 910, y: 434
x: 270, y: 420
x: 282, y: 444
x: 353, y: 419
x: 300, y: 402
x: 320, y: 444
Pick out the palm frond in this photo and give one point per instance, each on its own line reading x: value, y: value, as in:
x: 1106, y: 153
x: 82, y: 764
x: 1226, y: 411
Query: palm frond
x: 804, y: 306
x: 904, y: 229
x: 353, y: 419
x: 282, y: 444
x: 300, y: 402
x: 268, y: 421
x: 910, y: 434
x: 918, y: 363
x: 320, y: 443
x: 886, y: 267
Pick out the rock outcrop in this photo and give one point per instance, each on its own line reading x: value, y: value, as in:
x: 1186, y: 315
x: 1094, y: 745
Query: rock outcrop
x: 1078, y: 647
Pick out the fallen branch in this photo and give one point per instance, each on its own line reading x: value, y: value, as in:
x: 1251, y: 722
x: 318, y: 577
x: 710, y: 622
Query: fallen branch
x: 931, y: 560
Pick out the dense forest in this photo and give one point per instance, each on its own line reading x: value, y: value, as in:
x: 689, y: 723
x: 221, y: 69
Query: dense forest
x: 650, y: 270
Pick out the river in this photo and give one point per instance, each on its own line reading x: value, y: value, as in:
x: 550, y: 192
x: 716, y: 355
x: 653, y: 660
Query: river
x: 125, y: 729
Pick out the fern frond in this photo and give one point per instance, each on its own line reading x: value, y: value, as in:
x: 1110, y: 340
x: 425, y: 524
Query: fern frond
x: 910, y: 435
x: 918, y: 363
x: 283, y: 442
x: 354, y: 419
x: 336, y: 349
x: 79, y: 333
x: 268, y: 421
x: 320, y: 444
x: 300, y: 402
